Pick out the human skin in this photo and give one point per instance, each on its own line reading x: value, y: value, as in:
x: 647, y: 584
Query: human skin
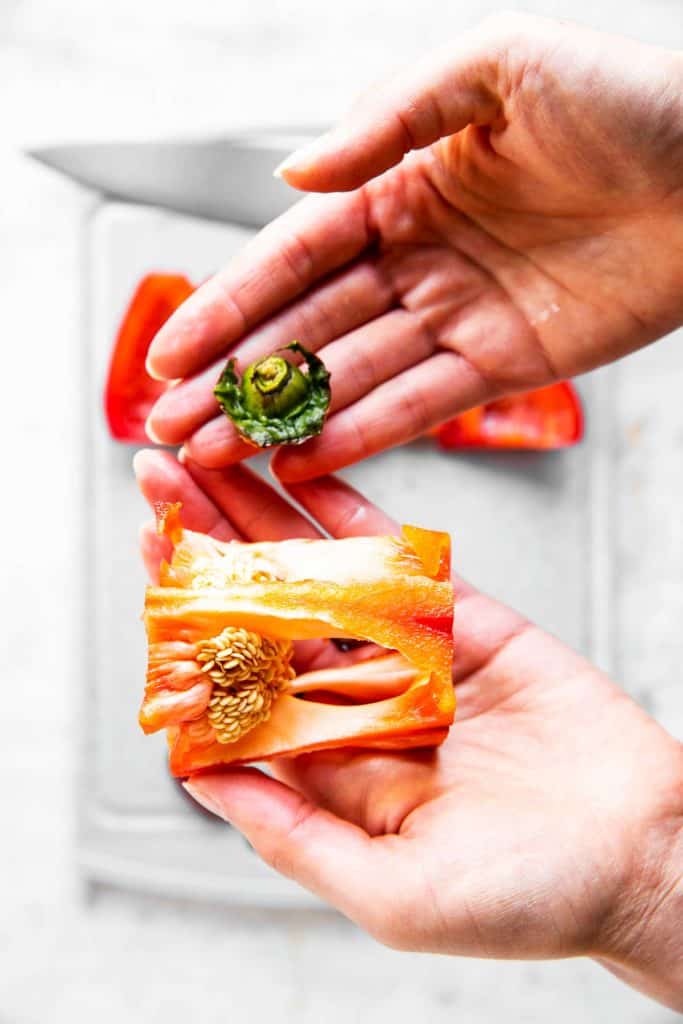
x: 550, y: 822
x: 533, y: 231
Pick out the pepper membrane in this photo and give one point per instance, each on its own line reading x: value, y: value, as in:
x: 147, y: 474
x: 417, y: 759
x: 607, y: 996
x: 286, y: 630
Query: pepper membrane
x: 394, y: 592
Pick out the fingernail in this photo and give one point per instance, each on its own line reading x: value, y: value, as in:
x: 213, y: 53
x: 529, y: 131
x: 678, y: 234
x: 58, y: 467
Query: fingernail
x: 151, y: 433
x: 204, y: 799
x: 304, y: 158
x: 151, y: 372
x: 280, y: 468
x: 139, y: 459
x: 182, y: 454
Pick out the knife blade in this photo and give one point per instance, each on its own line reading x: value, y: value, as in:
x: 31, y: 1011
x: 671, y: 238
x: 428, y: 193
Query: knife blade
x: 226, y: 179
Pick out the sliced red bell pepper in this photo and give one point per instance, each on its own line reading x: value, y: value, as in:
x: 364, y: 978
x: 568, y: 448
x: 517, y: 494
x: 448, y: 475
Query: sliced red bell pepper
x: 130, y: 392
x: 549, y: 417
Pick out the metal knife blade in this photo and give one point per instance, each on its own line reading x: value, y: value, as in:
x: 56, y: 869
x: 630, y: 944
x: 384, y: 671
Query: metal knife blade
x: 227, y: 179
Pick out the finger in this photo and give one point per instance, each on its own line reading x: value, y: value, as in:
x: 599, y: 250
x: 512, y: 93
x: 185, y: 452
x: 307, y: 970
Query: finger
x: 217, y: 444
x: 439, y: 96
x: 185, y: 407
x: 358, y: 363
x: 341, y: 510
x: 154, y: 550
x: 251, y: 504
x: 310, y: 241
x: 396, y: 412
x: 336, y: 307
x: 161, y: 477
x: 335, y: 860
x: 365, y: 358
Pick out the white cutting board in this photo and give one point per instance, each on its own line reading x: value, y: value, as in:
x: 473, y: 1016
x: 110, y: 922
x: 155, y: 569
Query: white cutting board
x: 531, y: 528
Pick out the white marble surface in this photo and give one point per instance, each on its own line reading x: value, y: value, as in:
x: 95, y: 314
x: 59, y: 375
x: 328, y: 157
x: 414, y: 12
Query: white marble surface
x: 83, y: 68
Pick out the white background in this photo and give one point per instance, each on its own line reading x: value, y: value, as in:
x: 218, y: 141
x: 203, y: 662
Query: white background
x: 86, y: 69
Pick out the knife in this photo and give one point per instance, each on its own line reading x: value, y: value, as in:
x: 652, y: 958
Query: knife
x: 226, y: 179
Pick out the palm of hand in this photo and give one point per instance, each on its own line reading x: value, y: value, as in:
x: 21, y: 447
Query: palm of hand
x: 516, y: 835
x: 518, y: 244
x: 515, y: 838
x: 537, y: 238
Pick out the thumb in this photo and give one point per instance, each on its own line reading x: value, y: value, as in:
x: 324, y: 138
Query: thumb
x: 337, y: 861
x: 440, y: 96
x: 154, y: 549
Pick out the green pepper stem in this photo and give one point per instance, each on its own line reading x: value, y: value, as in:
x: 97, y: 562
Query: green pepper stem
x: 275, y: 402
x: 274, y: 387
x: 271, y: 374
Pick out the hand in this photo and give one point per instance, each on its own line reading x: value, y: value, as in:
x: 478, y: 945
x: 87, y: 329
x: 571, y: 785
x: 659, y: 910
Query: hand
x: 535, y: 232
x: 549, y: 824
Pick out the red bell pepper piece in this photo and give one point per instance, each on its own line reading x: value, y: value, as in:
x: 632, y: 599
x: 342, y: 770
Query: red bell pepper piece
x: 130, y: 392
x: 549, y: 417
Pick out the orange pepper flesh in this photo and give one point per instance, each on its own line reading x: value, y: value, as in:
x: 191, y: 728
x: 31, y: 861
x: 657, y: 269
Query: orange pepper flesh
x: 394, y: 592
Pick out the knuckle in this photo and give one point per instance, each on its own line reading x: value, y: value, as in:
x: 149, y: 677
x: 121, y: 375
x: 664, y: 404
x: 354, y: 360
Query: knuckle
x: 299, y: 259
x: 319, y: 317
x: 407, y: 120
x: 277, y: 856
x: 356, y: 431
x: 282, y: 853
x: 421, y: 119
x: 350, y: 520
x: 414, y: 409
x: 365, y: 371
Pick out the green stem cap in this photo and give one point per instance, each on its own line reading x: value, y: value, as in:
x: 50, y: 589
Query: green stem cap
x: 274, y: 387
x: 275, y: 402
